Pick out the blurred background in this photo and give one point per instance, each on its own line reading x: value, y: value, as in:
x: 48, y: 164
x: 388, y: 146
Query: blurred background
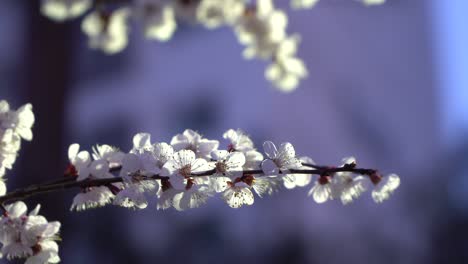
x: 387, y: 84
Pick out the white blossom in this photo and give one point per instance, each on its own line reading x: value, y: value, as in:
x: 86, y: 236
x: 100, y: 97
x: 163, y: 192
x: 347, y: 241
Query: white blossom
x: 20, y: 121
x: 228, y: 164
x: 279, y: 160
x: 28, y: 236
x: 14, y: 125
x: 345, y: 186
x: 191, y: 140
x: 253, y: 160
x: 3, y: 188
x: 182, y: 166
x: 261, y: 29
x: 299, y: 180
x: 266, y: 185
x: 10, y: 144
x: 92, y: 197
x: 385, y: 187
x: 141, y: 143
x: 135, y: 186
x: 193, y: 197
x: 108, y: 33
x: 238, y: 194
x: 158, y: 19
x: 108, y: 153
x: 215, y: 13
x: 303, y: 4
x: 321, y: 191
x: 286, y: 70
x: 80, y: 160
x: 97, y: 169
x: 239, y: 141
x: 60, y: 10
x: 162, y: 153
x: 166, y: 195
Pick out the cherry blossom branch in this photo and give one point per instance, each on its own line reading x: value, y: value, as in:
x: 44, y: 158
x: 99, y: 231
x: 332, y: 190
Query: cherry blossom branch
x: 70, y: 182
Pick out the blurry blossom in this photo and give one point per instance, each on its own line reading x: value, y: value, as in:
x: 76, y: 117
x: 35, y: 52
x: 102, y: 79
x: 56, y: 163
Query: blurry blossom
x: 376, y: 90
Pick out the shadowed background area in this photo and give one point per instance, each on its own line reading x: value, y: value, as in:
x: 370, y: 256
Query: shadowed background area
x: 386, y: 85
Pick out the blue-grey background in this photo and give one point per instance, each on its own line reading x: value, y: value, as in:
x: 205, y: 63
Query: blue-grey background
x: 387, y: 84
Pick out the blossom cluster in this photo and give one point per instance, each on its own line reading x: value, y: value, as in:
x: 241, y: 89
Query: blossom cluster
x: 189, y: 169
x: 258, y: 25
x: 14, y: 126
x: 182, y: 174
x: 28, y: 236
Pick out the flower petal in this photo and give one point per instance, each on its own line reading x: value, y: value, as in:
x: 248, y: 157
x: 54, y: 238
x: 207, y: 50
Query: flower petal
x: 270, y: 149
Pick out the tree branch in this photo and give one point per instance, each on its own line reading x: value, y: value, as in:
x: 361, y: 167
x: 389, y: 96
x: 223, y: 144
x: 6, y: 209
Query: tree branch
x: 70, y: 182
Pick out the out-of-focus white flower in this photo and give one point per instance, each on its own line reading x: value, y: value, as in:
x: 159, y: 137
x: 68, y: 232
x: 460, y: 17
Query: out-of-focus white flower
x: 385, y: 187
x: 372, y: 2
x: 298, y: 180
x: 303, y: 4
x: 239, y: 141
x: 345, y: 186
x: 261, y: 29
x: 215, y: 13
x: 80, y: 160
x: 19, y: 121
x: 22, y: 121
x: 182, y: 166
x: 10, y: 144
x: 286, y: 70
x: 28, y: 236
x: 14, y: 125
x: 191, y: 140
x: 108, y: 33
x: 48, y: 254
x: 158, y: 19
x: 61, y: 10
x: 279, y: 160
x: 321, y: 191
x: 92, y: 197
x: 153, y: 160
x: 228, y: 163
x: 238, y: 194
